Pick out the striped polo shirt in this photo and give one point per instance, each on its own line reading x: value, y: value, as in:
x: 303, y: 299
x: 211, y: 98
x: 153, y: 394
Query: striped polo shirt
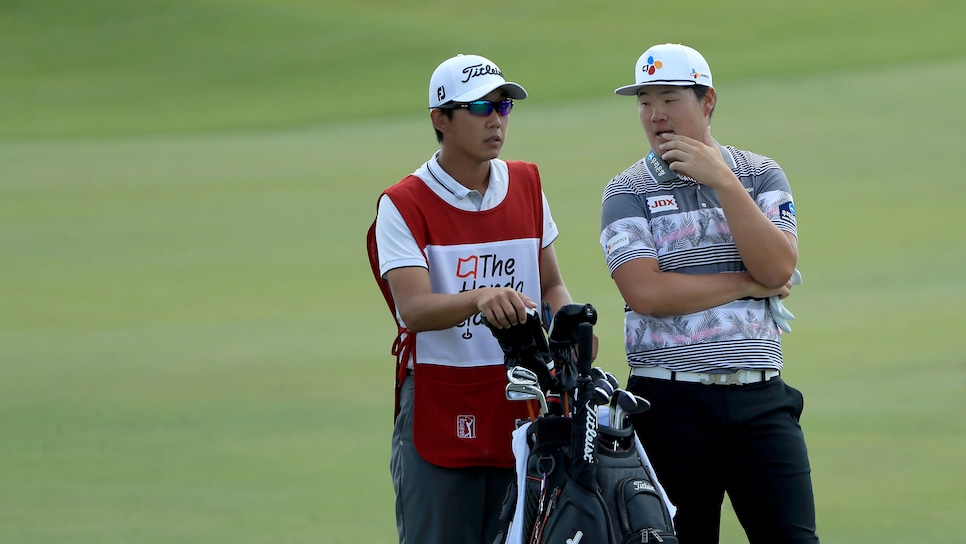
x: 648, y: 211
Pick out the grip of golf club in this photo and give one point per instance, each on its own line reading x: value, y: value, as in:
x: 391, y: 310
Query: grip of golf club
x: 585, y: 347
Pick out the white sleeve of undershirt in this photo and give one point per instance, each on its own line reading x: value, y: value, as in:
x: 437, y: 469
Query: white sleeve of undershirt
x: 397, y: 247
x: 550, y: 231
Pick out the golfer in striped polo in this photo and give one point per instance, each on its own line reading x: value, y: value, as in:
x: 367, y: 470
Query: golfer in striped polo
x: 701, y: 240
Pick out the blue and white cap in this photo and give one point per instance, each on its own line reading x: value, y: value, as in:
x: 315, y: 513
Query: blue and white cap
x: 465, y: 78
x: 668, y: 64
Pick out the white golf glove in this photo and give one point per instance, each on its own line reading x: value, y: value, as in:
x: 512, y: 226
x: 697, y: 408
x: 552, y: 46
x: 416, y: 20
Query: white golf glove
x: 779, y: 313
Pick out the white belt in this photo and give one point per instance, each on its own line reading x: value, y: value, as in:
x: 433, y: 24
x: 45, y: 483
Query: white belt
x: 740, y: 377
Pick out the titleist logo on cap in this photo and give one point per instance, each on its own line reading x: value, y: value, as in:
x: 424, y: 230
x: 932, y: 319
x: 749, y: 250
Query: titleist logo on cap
x: 480, y: 70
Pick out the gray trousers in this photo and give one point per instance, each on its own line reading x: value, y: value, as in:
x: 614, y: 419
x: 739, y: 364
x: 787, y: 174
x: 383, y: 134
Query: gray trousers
x: 441, y: 505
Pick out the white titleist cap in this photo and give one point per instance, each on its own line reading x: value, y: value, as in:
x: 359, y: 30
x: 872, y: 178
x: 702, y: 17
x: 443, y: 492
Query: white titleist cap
x: 669, y: 64
x: 465, y: 78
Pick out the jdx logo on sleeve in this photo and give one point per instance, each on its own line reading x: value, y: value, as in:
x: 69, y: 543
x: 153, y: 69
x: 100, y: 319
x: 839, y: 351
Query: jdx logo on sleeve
x: 661, y: 203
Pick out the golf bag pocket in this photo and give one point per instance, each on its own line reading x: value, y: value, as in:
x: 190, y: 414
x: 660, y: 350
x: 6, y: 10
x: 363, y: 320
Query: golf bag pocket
x: 546, y: 465
x: 637, y: 508
x: 461, y: 416
x: 640, y: 512
x: 574, y: 514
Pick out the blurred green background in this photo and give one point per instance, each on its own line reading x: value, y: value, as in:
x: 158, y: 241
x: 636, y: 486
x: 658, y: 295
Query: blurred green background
x: 192, y: 349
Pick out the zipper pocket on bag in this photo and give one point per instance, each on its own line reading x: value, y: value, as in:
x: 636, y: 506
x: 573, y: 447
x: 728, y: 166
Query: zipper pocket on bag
x: 640, y: 510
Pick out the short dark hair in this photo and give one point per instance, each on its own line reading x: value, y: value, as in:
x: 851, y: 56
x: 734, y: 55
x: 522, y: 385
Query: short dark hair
x: 448, y: 112
x: 699, y: 92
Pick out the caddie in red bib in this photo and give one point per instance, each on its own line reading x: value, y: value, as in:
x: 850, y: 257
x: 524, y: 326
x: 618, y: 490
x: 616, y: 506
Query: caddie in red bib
x: 466, y: 237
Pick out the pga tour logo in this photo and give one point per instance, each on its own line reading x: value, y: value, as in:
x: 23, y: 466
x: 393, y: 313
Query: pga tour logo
x: 465, y: 426
x: 661, y: 203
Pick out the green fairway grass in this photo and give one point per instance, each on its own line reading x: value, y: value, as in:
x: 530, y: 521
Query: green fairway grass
x: 192, y: 348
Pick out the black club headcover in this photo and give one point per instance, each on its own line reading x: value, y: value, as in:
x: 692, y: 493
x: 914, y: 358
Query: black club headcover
x: 564, y: 337
x: 526, y: 345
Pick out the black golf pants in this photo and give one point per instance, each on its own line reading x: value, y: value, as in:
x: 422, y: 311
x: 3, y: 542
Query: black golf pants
x: 744, y: 440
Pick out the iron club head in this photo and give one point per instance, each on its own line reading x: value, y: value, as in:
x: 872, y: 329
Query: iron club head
x: 522, y: 375
x: 520, y: 391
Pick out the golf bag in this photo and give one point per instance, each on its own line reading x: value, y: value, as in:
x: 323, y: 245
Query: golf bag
x: 634, y: 502
x: 571, y: 487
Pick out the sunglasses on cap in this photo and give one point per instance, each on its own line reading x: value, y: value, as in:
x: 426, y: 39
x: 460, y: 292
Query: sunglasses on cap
x: 483, y: 108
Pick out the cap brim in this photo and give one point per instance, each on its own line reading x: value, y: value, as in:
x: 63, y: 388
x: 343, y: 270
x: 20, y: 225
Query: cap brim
x: 631, y: 90
x: 513, y: 91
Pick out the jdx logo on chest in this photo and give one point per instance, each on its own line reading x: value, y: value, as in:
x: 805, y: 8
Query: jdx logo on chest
x: 661, y: 203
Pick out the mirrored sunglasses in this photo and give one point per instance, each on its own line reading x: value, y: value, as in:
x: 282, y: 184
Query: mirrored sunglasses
x: 484, y: 108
